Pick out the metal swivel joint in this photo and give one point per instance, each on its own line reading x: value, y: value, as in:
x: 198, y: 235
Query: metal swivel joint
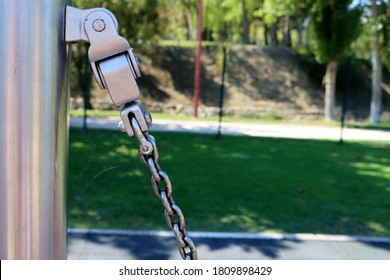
x: 115, y: 68
x: 113, y: 62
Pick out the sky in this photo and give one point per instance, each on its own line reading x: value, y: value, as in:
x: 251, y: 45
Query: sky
x: 356, y: 2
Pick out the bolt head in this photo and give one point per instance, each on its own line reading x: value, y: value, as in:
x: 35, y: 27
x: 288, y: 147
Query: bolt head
x: 99, y: 25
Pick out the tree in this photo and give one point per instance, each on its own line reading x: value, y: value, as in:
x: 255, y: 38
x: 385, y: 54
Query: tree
x: 230, y: 20
x: 138, y: 19
x: 335, y: 25
x: 289, y: 11
x: 189, y: 9
x: 303, y: 10
x: 245, y: 23
x: 374, y: 45
x: 376, y: 94
x: 223, y: 19
x: 273, y: 11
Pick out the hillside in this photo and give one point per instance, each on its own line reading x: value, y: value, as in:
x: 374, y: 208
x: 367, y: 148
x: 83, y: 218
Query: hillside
x: 259, y: 81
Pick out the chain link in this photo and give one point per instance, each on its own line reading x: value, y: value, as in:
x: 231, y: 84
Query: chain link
x: 163, y: 189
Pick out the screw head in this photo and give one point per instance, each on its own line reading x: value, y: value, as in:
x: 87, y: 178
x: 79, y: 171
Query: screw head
x: 99, y: 25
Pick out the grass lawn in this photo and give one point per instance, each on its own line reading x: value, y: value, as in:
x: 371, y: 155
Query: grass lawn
x: 245, y: 184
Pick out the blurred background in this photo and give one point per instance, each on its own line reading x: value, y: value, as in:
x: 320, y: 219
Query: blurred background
x: 285, y: 59
x: 301, y: 63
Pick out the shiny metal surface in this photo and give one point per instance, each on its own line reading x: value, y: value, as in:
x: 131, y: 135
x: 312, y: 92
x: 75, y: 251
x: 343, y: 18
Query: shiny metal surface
x: 116, y: 74
x: 33, y: 129
x: 138, y: 110
x: 75, y: 19
x: 113, y: 62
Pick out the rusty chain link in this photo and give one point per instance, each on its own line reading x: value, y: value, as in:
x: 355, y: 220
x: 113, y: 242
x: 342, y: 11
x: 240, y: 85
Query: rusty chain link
x: 163, y: 189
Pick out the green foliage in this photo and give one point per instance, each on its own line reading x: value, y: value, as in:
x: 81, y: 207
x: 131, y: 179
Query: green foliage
x: 334, y: 22
x: 362, y: 46
x: 335, y: 27
x: 225, y: 17
x: 273, y: 9
x: 138, y: 19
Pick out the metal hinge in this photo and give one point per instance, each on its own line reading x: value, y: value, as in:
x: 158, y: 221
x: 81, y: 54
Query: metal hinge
x: 114, y: 64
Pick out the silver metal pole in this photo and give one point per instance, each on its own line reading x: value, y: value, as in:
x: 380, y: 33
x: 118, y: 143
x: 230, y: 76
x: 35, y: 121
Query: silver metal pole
x: 33, y: 129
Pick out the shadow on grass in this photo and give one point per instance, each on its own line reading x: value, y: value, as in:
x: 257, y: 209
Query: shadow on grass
x: 241, y: 184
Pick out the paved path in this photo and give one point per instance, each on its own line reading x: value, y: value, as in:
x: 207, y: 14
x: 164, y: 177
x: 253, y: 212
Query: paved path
x: 267, y: 130
x: 161, y: 245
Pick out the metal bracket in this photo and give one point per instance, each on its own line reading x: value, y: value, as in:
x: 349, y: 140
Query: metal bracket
x: 113, y: 62
x: 140, y: 113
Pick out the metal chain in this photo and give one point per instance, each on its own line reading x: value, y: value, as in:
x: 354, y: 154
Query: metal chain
x: 115, y: 68
x: 163, y: 189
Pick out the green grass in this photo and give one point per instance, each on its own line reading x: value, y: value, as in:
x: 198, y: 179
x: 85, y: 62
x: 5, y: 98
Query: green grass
x: 269, y: 120
x: 244, y: 184
x: 94, y: 113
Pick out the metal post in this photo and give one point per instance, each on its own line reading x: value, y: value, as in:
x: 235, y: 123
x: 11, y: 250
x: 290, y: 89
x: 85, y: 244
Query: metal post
x: 33, y: 129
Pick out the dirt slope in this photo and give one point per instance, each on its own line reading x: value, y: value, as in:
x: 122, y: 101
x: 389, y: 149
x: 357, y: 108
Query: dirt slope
x: 259, y: 81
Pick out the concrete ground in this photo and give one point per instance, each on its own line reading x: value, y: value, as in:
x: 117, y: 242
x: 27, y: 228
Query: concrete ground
x: 266, y: 130
x: 138, y: 245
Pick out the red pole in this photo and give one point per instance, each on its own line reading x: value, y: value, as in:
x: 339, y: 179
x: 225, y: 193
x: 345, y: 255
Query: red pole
x: 198, y: 59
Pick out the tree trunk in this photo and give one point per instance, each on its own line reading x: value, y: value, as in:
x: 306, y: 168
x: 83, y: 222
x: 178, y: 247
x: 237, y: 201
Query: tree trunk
x: 255, y: 38
x: 190, y: 28
x: 376, y: 97
x: 265, y: 26
x: 299, y: 26
x: 229, y: 33
x: 306, y: 33
x: 266, y: 31
x: 245, y: 23
x: 274, y: 36
x: 330, y: 90
x: 286, y: 31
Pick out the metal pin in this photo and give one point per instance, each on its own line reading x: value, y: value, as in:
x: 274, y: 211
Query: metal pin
x: 99, y: 25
